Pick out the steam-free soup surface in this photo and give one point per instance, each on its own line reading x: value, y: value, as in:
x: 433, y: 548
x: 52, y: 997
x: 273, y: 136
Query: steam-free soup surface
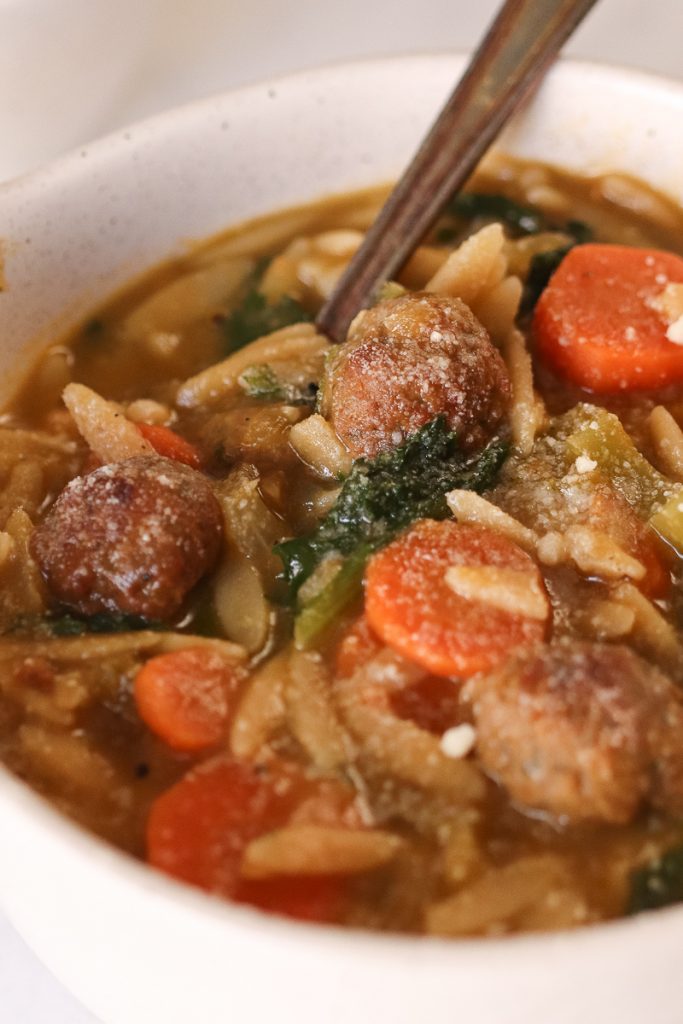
x: 383, y: 634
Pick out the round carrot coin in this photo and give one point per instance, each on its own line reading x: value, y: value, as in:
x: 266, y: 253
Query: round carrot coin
x: 599, y: 322
x: 198, y: 830
x: 185, y: 697
x: 411, y: 607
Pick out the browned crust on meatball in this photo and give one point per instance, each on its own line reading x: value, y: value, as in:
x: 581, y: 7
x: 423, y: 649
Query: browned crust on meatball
x: 133, y: 537
x: 582, y: 731
x: 407, y: 361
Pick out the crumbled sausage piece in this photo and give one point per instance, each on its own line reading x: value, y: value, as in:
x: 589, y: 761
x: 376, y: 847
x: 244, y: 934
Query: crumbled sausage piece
x: 583, y: 731
x: 131, y: 537
x: 405, y: 362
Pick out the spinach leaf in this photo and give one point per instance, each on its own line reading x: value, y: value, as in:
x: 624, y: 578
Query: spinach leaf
x: 523, y: 220
x: 71, y: 625
x: 256, y: 317
x: 544, y: 264
x: 542, y: 267
x: 658, y: 884
x: 580, y: 232
x: 261, y: 382
x: 517, y: 217
x: 380, y: 497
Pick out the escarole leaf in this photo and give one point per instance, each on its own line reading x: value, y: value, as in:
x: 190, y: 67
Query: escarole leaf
x: 521, y: 219
x: 256, y: 317
x: 377, y: 499
x: 658, y: 884
x: 67, y: 624
x: 542, y: 267
x: 261, y: 382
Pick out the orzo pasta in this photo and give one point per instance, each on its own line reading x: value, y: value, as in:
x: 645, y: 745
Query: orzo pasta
x: 385, y: 634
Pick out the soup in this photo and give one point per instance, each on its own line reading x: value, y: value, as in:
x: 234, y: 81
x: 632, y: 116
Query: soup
x: 384, y: 634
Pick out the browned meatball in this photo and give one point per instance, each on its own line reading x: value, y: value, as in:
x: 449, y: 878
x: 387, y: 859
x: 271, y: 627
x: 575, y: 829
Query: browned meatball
x: 583, y: 731
x: 405, y: 362
x: 132, y: 537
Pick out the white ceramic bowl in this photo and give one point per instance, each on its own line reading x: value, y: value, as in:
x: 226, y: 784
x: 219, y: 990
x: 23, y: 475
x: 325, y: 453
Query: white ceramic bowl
x: 134, y: 946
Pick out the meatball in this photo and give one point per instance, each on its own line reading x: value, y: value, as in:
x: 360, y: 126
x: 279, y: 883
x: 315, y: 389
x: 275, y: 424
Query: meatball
x: 583, y: 731
x: 405, y: 362
x: 132, y: 537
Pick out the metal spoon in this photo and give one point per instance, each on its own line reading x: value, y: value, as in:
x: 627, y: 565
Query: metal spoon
x: 522, y: 42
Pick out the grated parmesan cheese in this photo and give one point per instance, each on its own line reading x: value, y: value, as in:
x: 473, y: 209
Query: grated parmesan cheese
x: 675, y: 331
x: 459, y: 741
x: 585, y: 465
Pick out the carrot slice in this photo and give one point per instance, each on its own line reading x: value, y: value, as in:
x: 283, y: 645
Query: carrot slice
x: 198, y: 831
x: 185, y: 697
x: 357, y: 646
x: 431, y: 703
x: 596, y: 324
x: 410, y: 606
x: 315, y: 898
x: 170, y: 445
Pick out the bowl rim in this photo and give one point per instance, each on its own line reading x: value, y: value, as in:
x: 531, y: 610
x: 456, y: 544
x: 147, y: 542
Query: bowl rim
x: 337, y: 940
x: 106, y: 144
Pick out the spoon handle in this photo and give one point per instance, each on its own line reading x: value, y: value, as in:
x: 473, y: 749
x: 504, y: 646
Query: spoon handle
x: 521, y: 43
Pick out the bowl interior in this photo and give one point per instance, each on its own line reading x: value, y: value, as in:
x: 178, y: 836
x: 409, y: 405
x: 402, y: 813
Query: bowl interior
x: 69, y: 237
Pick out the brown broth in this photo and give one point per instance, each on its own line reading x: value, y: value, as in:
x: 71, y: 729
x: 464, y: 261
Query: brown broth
x: 126, y: 767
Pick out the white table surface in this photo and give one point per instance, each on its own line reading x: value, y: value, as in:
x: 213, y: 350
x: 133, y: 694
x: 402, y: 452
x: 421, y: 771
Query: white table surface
x: 205, y: 46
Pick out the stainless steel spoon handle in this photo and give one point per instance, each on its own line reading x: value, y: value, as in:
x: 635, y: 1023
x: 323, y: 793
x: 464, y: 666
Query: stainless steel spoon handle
x: 523, y: 40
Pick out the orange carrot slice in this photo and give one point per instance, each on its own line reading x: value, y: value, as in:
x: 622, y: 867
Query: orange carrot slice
x: 410, y: 606
x: 199, y: 829
x: 597, y: 323
x: 170, y: 445
x: 185, y: 697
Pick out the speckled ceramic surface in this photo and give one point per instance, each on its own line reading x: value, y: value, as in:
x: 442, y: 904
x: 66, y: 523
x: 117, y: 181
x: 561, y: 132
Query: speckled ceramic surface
x: 139, y: 949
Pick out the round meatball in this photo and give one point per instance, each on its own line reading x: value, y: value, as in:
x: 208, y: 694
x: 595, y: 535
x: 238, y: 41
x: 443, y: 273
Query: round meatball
x: 583, y: 731
x: 405, y: 362
x: 132, y: 537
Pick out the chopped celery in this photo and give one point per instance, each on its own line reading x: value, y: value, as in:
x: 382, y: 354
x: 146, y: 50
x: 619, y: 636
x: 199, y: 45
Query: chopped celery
x: 326, y: 607
x: 668, y: 521
x: 601, y: 437
x: 390, y: 290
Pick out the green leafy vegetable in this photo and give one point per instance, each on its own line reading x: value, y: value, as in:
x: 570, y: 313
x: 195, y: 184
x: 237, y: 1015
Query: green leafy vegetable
x: 544, y: 264
x: 378, y: 499
x: 517, y: 217
x: 579, y: 231
x: 523, y: 220
x: 520, y: 220
x: 263, y: 383
x: 256, y: 317
x: 70, y: 625
x: 658, y: 884
x: 542, y: 267
x: 326, y: 607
